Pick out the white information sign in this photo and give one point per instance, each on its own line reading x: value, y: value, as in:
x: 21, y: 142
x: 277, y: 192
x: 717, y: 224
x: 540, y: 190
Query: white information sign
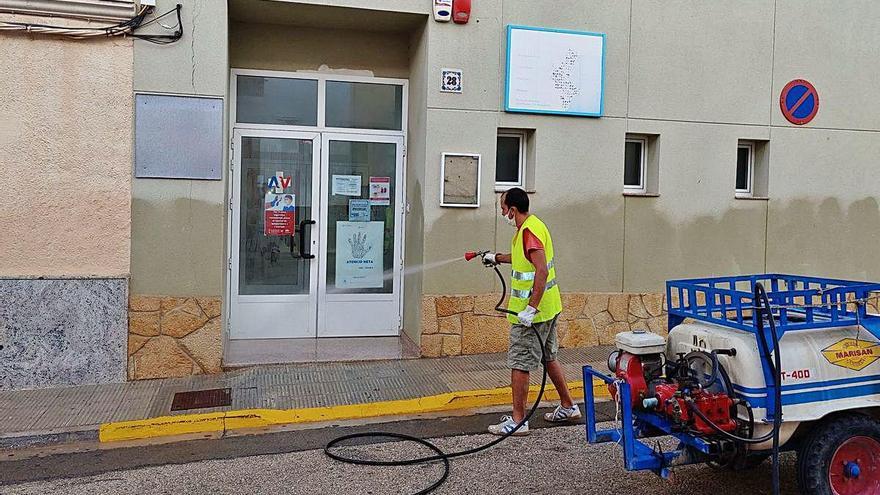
x: 554, y: 71
x: 359, y: 250
x: 347, y: 185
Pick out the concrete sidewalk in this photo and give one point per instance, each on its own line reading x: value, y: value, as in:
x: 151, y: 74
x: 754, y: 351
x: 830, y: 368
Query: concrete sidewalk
x: 281, y: 393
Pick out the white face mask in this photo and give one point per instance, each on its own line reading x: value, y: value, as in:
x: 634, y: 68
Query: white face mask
x: 511, y: 220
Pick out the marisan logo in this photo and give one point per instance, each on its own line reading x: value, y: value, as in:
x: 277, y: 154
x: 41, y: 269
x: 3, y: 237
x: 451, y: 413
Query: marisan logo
x: 852, y: 354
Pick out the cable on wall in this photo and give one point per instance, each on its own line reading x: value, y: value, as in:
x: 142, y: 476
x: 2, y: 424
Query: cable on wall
x: 124, y: 28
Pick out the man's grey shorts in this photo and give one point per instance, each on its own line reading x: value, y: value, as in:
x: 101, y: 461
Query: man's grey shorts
x: 524, y: 353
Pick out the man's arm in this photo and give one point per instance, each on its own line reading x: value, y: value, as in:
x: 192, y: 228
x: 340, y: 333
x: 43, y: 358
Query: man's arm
x: 502, y: 258
x: 539, y: 259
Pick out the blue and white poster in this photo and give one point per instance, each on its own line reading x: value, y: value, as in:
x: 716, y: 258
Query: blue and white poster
x: 554, y: 71
x: 358, y: 210
x: 359, y: 250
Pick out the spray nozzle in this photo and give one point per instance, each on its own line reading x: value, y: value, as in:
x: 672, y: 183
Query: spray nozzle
x: 473, y: 254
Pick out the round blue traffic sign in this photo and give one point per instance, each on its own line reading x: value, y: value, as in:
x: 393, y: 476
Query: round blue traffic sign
x: 799, y: 102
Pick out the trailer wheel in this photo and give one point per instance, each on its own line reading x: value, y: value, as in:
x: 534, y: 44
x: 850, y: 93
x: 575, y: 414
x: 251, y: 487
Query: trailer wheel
x: 842, y: 457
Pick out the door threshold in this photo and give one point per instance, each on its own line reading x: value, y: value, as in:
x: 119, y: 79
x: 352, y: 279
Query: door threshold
x: 250, y: 352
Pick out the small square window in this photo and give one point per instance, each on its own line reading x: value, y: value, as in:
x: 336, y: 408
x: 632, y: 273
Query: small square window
x: 745, y: 164
x: 510, y: 160
x: 635, y: 165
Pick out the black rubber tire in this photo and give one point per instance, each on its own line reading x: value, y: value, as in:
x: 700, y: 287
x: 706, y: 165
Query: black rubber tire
x: 814, y: 456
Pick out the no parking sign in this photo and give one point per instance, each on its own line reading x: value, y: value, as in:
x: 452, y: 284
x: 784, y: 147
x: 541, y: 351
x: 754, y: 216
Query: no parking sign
x: 799, y: 102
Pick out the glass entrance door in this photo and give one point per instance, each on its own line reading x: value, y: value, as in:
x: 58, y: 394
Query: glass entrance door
x: 274, y: 271
x: 361, y: 220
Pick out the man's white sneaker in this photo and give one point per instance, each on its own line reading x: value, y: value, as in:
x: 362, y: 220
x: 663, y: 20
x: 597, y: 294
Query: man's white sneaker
x: 507, y: 425
x: 563, y: 414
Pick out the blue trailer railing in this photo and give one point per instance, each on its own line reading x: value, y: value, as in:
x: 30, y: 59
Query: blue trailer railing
x: 798, y: 302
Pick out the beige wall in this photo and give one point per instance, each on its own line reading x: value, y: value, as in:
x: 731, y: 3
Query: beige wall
x: 65, y: 150
x: 179, y: 225
x: 292, y: 48
x: 701, y: 76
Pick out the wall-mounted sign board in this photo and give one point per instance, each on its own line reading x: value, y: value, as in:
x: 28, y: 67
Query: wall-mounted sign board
x: 554, y: 71
x: 178, y: 137
x: 460, y: 180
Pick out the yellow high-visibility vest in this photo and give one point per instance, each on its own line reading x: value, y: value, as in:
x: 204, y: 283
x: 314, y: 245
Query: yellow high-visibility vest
x: 522, y: 277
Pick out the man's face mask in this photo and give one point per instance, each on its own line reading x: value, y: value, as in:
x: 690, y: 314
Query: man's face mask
x: 509, y: 216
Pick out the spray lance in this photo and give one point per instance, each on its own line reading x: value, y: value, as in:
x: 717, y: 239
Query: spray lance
x: 439, y: 455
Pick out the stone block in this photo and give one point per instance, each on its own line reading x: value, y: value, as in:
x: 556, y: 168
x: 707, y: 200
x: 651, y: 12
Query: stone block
x: 452, y: 305
x: 579, y: 333
x: 484, y: 305
x: 144, y: 303
x: 639, y: 324
x: 482, y: 334
x: 572, y: 305
x: 161, y: 357
x: 168, y: 303
x: 183, y: 319
x: 451, y: 345
x: 135, y: 342
x: 618, y: 306
x: 658, y: 325
x: 450, y: 325
x: 653, y: 304
x: 205, y: 346
x: 145, y: 324
x: 595, y: 304
x: 62, y: 332
x: 210, y: 305
x: 602, y: 320
x: 606, y: 335
x: 432, y: 345
x: 637, y: 307
x: 429, y: 316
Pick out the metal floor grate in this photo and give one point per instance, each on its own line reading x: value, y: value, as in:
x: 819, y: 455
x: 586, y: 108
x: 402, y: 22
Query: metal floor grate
x: 201, y: 399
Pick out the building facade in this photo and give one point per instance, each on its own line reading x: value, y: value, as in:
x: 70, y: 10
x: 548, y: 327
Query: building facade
x: 379, y: 122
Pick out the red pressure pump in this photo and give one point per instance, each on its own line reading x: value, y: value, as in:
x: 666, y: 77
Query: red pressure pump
x: 668, y: 388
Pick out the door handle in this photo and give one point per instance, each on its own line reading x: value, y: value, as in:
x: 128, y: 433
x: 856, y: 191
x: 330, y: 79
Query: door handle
x: 304, y: 254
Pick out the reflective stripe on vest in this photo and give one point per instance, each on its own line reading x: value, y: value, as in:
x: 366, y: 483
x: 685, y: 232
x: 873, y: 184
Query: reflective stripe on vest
x: 525, y: 294
x: 528, y: 275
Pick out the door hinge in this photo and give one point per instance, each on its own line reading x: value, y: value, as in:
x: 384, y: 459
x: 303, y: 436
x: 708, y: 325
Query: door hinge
x: 229, y: 264
x: 230, y: 203
x: 404, y: 151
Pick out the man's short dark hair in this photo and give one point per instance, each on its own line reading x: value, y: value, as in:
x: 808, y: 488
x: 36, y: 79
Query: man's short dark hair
x: 517, y: 198
x: 288, y: 196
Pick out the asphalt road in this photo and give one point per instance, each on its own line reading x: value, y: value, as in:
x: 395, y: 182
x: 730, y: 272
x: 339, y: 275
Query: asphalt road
x: 552, y: 460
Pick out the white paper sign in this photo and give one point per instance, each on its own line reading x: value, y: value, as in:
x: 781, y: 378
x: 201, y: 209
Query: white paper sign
x: 557, y: 72
x: 347, y: 185
x: 359, y: 255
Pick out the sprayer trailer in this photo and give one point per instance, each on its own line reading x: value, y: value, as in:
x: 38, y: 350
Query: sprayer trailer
x: 753, y: 365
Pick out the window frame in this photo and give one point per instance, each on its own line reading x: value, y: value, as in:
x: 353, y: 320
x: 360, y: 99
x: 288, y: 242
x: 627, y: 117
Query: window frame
x: 642, y: 188
x: 750, y: 178
x: 523, y: 140
x: 322, y: 107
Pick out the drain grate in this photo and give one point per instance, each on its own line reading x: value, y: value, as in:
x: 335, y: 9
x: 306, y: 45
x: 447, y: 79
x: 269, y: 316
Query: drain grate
x: 200, y: 399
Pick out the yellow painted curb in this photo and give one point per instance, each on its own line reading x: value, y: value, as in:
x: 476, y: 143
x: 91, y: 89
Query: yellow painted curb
x: 260, y: 418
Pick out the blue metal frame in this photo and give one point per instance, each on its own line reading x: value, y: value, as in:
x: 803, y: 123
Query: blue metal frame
x: 508, y: 108
x: 637, y: 456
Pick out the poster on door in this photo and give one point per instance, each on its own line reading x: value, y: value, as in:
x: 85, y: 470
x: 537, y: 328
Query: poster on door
x: 279, y: 214
x: 380, y: 191
x: 359, y: 255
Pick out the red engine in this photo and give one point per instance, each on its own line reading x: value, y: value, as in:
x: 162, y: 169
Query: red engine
x: 671, y: 397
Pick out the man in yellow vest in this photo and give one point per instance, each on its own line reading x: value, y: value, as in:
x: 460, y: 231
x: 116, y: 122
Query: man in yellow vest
x: 536, y: 301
